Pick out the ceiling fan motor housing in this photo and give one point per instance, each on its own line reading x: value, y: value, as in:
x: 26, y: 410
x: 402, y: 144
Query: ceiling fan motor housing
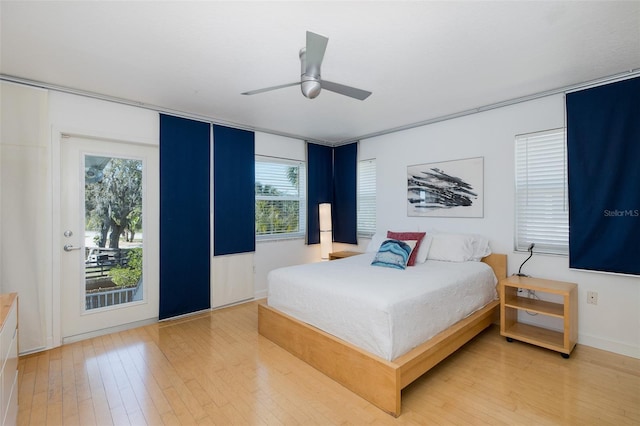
x: 309, y: 77
x: 310, y: 86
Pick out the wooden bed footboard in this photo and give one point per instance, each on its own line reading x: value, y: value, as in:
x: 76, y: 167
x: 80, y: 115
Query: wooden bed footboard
x: 373, y: 378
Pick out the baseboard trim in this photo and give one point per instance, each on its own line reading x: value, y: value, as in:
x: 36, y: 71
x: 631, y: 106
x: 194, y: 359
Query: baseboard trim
x: 609, y: 345
x: 262, y: 294
x: 108, y: 330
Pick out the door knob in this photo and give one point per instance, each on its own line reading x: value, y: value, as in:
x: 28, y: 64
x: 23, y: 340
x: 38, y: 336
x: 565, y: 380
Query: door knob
x: 69, y: 247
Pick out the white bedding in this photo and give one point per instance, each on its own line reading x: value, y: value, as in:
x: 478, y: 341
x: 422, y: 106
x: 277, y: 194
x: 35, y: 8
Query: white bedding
x: 384, y: 311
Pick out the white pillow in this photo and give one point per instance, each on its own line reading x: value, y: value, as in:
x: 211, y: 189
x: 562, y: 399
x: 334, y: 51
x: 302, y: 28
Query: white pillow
x: 451, y: 248
x: 376, y: 242
x: 480, y: 247
x: 423, y: 250
x: 459, y: 247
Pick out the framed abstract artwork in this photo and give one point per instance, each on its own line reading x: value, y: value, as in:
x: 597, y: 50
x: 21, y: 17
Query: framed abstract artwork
x: 446, y: 189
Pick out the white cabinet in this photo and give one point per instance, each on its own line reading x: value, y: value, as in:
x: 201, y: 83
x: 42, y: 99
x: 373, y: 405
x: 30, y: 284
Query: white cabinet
x: 8, y: 359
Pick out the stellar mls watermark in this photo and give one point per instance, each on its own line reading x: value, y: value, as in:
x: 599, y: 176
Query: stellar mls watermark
x: 622, y: 213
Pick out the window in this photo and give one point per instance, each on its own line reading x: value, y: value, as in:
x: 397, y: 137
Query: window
x: 280, y: 198
x: 366, y: 198
x: 542, y: 215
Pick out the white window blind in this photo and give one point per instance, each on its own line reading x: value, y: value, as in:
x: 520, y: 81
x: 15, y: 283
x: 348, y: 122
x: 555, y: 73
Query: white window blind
x: 542, y: 215
x: 367, y: 197
x: 280, y: 198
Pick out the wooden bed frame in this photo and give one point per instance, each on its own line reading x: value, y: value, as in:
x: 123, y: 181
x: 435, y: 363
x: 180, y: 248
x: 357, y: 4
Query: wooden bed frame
x: 373, y: 378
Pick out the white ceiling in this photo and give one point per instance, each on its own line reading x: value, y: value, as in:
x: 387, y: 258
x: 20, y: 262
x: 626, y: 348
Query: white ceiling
x: 422, y: 60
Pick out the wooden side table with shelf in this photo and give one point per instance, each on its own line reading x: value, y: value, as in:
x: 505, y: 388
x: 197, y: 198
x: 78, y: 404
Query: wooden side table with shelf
x: 567, y: 311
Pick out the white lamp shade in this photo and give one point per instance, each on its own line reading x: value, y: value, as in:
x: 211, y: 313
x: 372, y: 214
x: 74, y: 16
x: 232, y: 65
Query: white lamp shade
x: 325, y: 216
x: 326, y: 243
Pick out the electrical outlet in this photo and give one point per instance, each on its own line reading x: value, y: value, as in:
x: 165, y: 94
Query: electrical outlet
x: 592, y: 297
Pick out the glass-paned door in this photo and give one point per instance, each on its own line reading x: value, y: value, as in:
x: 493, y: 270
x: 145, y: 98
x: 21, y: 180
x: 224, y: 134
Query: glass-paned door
x: 109, y: 217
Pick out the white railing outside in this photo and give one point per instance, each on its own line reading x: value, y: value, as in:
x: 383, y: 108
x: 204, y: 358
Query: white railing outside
x: 112, y: 297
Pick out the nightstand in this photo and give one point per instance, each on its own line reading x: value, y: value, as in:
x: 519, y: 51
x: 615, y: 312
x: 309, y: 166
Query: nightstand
x: 342, y: 254
x: 567, y: 311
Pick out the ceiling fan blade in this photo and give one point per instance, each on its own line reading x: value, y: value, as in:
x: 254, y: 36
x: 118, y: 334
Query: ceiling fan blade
x: 268, y: 89
x: 345, y: 90
x: 316, y: 46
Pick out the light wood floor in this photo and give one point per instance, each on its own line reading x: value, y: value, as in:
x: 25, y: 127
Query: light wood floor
x: 214, y: 368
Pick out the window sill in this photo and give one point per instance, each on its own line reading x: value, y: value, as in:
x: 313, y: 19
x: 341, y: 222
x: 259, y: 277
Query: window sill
x: 272, y: 238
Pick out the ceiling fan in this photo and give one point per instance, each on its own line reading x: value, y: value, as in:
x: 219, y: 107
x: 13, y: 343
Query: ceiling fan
x: 310, y: 82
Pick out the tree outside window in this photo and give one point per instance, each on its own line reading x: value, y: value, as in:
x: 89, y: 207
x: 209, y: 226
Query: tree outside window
x: 280, y: 198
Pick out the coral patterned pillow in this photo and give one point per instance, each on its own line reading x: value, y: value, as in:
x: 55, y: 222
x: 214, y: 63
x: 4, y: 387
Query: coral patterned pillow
x: 409, y: 236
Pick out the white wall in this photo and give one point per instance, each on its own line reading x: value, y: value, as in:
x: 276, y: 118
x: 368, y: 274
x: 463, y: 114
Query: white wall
x: 613, y: 324
x: 92, y: 117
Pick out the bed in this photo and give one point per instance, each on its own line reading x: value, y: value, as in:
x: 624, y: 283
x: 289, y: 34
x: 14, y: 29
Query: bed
x: 385, y: 348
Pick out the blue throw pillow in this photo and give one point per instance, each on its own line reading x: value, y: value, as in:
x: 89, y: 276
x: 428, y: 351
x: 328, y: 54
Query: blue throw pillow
x: 392, y: 254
